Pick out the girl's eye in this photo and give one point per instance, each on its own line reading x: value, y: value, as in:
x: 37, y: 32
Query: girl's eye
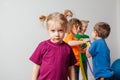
x: 60, y: 30
x: 52, y: 30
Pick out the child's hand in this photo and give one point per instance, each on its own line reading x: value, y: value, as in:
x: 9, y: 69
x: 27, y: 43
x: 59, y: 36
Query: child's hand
x: 83, y: 50
x: 86, y: 40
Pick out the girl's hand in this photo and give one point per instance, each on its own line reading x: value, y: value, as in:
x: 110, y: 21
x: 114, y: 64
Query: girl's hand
x: 86, y: 40
x: 83, y: 50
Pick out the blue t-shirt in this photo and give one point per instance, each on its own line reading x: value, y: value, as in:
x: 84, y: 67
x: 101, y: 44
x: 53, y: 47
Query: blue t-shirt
x: 100, y: 58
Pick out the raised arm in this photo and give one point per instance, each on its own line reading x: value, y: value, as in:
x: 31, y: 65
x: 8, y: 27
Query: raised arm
x: 75, y: 43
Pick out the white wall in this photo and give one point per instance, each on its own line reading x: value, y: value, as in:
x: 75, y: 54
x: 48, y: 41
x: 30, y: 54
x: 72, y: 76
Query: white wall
x: 118, y: 30
x: 21, y: 31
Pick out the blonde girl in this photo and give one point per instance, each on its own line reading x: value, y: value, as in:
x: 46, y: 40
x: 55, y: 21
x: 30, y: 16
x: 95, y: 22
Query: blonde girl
x: 53, y: 58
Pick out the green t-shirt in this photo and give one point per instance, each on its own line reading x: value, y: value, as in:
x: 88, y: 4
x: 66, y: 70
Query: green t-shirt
x: 81, y: 37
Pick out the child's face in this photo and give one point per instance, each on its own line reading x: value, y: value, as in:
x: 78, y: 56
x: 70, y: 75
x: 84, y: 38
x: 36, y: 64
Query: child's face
x: 84, y: 27
x: 56, y: 31
x: 94, y: 34
x: 76, y: 28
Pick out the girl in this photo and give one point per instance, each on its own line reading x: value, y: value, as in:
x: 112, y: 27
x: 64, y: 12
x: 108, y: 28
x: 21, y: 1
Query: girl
x: 74, y: 25
x: 81, y: 35
x: 53, y: 59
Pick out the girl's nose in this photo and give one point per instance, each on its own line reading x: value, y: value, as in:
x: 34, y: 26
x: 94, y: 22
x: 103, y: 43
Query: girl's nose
x: 56, y: 33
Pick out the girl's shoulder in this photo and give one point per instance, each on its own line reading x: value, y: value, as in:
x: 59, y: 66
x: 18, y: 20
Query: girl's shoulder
x: 86, y: 36
x: 42, y: 43
x: 69, y: 37
x: 66, y: 44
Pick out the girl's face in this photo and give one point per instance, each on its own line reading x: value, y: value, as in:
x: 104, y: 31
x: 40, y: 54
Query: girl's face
x: 76, y: 28
x: 56, y: 31
x: 84, y: 27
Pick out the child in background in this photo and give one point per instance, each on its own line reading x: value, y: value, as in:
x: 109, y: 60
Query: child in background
x: 81, y: 36
x: 73, y: 27
x: 100, y: 52
x: 54, y: 59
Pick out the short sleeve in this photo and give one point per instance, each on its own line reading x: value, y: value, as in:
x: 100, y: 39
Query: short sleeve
x: 72, y: 58
x: 36, y: 57
x: 92, y: 49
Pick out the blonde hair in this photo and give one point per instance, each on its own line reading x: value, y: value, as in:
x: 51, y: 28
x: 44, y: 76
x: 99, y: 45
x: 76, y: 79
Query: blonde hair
x: 42, y: 18
x: 85, y: 21
x: 68, y: 12
x: 56, y: 16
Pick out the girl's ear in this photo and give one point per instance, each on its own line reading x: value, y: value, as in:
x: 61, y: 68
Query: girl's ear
x: 73, y: 27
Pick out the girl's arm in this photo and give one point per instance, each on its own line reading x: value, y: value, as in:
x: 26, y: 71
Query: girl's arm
x: 71, y: 73
x: 35, y: 71
x: 75, y: 43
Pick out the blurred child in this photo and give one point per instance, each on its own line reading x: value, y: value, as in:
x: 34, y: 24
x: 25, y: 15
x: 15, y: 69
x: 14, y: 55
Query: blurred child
x: 100, y: 52
x: 54, y: 59
x: 81, y: 35
x: 73, y: 27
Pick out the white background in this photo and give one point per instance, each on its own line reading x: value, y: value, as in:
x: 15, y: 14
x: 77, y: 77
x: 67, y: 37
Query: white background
x: 21, y: 30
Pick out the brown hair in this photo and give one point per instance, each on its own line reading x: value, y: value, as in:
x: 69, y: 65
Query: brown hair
x: 71, y: 23
x: 56, y: 16
x: 102, y: 29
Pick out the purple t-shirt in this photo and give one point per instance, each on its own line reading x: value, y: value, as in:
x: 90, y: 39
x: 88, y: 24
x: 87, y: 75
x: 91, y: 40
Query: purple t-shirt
x: 54, y: 60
